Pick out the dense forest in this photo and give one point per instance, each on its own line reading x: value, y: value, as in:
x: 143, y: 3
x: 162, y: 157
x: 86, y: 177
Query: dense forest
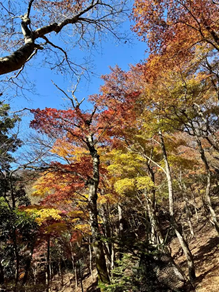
x: 122, y: 197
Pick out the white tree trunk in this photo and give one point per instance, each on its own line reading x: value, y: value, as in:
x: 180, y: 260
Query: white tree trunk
x: 182, y: 241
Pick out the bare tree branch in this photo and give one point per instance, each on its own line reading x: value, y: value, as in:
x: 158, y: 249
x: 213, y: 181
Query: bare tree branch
x: 17, y: 59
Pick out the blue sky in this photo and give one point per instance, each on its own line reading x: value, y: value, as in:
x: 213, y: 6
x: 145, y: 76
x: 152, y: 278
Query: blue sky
x: 45, y: 94
x: 111, y: 55
x: 108, y: 54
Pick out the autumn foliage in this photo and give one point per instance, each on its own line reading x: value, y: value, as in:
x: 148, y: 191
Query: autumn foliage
x: 175, y: 27
x: 138, y: 170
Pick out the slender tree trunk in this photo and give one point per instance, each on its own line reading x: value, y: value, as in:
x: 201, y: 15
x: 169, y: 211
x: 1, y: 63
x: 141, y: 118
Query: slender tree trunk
x: 75, y: 270
x: 80, y: 274
x: 76, y: 276
x: 97, y: 244
x: 155, y: 234
x: 90, y: 259
x: 194, y: 203
x: 120, y: 231
x: 189, y: 217
x: 93, y: 214
x: 120, y: 219
x: 74, y: 265
x: 182, y: 241
x: 48, y: 264
x: 160, y: 239
x: 153, y: 190
x: 207, y: 199
x: 107, y: 246
x: 112, y: 259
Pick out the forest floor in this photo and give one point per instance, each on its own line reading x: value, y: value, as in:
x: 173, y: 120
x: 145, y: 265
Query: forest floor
x: 204, y: 247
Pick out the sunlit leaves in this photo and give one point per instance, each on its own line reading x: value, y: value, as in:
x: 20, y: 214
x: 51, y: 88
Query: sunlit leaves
x: 44, y: 214
x: 144, y: 182
x: 176, y: 26
x: 125, y: 185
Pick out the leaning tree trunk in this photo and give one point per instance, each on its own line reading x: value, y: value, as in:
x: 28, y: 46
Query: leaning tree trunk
x: 160, y: 241
x: 207, y: 199
x: 182, y: 241
x: 93, y: 214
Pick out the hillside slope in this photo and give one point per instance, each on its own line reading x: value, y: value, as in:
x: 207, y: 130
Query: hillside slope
x: 204, y: 247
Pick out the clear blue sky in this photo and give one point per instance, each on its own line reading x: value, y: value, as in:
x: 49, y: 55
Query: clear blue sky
x: 111, y: 55
x: 108, y: 54
x: 46, y: 94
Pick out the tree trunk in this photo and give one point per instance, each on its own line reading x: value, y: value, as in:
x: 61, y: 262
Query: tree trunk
x: 93, y: 214
x: 80, y: 274
x: 112, y: 259
x: 155, y: 233
x: 189, y: 217
x: 207, y: 199
x: 48, y: 264
x: 194, y: 204
x: 182, y: 241
x: 74, y: 268
x: 158, y: 236
x: 90, y: 260
x: 120, y: 219
x: 107, y: 246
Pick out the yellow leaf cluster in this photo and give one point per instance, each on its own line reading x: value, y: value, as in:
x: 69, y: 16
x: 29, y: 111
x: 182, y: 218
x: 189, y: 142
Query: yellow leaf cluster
x: 144, y: 182
x: 124, y: 164
x: 126, y: 185
x: 107, y: 198
x: 40, y: 188
x: 84, y: 228
x: 44, y: 214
